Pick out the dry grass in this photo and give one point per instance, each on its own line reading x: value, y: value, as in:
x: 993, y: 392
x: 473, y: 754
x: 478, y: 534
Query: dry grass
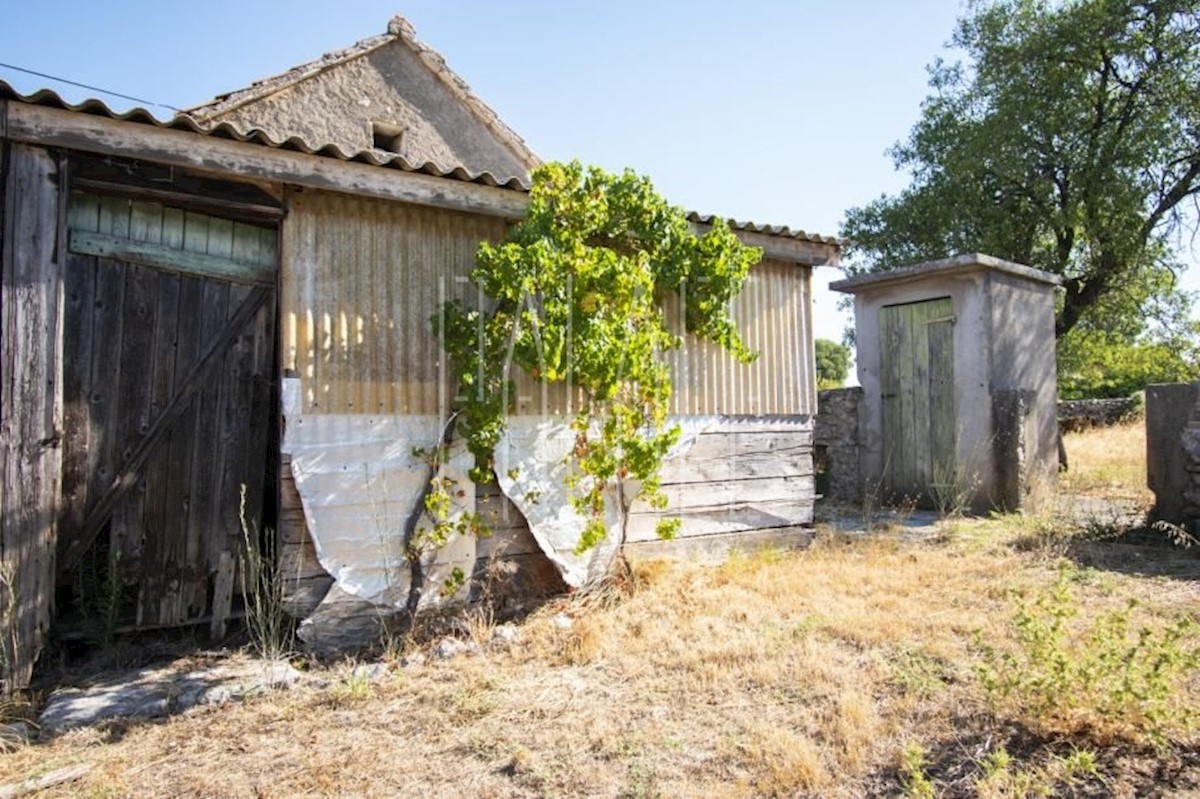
x: 1108, y: 462
x: 775, y: 674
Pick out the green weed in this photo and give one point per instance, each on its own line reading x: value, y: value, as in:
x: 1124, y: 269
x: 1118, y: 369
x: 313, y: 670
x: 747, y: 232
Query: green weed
x: 1100, y: 675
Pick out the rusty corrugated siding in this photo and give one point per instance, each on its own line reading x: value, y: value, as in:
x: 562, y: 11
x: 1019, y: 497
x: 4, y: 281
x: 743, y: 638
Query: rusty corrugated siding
x: 773, y: 317
x: 361, y: 279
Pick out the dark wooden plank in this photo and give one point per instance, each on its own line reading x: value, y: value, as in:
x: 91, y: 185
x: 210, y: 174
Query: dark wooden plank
x: 922, y: 464
x: 78, y: 307
x: 31, y: 412
x: 200, y: 374
x: 237, y: 390
x: 163, y: 257
x: 130, y: 539
x: 890, y: 388
x: 222, y: 596
x: 105, y: 382
x: 204, y: 511
x: 181, y: 451
x: 161, y: 512
x: 262, y: 404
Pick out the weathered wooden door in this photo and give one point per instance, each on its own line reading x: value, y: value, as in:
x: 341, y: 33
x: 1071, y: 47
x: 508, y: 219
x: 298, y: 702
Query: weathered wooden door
x: 918, y: 399
x: 168, y: 361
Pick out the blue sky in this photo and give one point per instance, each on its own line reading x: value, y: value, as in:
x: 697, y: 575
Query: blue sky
x: 775, y: 112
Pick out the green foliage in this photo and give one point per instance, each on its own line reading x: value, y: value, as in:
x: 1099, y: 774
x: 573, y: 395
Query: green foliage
x: 1144, y: 334
x: 833, y: 363
x: 577, y: 297
x: 100, y: 594
x: 1100, y: 676
x: 916, y: 782
x: 1002, y: 775
x: 1067, y: 141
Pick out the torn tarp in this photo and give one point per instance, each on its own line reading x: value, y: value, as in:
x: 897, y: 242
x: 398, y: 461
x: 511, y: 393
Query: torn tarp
x: 532, y: 466
x: 359, y: 478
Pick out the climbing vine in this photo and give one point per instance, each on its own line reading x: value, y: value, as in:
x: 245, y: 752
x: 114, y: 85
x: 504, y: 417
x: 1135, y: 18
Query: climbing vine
x: 576, y: 294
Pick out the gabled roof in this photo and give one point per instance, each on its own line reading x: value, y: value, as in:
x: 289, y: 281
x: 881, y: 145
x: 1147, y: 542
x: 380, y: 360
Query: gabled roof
x: 399, y: 30
x: 49, y: 99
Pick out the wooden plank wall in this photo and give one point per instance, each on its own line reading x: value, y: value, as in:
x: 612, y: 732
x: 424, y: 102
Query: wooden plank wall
x: 138, y: 324
x: 30, y: 404
x: 744, y: 481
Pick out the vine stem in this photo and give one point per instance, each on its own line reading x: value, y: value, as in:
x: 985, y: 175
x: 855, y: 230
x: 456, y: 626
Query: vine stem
x: 412, y: 551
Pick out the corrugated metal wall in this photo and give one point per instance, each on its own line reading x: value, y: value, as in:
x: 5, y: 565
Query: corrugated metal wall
x: 361, y: 279
x: 773, y: 315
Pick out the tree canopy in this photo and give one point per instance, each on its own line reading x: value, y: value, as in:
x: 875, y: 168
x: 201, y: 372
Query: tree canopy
x: 1069, y: 140
x: 833, y: 363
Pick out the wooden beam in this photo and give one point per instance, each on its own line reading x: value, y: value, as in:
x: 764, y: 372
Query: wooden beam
x: 181, y: 199
x: 84, y: 242
x: 226, y: 157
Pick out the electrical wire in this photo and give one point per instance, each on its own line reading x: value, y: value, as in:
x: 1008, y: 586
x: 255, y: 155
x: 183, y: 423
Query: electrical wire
x: 90, y: 88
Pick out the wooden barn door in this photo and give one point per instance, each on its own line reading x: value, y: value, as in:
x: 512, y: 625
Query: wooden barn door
x: 168, y: 362
x: 918, y: 398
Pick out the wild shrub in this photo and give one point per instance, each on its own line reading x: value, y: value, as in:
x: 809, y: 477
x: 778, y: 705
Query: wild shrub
x: 1102, y: 676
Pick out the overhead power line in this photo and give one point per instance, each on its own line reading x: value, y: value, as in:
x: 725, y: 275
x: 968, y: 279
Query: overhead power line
x: 90, y: 87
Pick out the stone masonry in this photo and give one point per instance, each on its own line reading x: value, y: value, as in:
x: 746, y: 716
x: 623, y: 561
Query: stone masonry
x: 836, y: 444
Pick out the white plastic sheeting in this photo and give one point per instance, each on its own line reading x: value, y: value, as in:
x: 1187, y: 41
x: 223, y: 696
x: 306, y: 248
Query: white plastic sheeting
x: 359, y: 478
x: 532, y: 464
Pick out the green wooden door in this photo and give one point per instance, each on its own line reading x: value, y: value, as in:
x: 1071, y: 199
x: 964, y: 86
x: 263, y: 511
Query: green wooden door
x: 918, y: 398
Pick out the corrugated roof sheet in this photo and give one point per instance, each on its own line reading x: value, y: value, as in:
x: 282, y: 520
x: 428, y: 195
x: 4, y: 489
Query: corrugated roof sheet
x: 782, y: 231
x: 48, y: 98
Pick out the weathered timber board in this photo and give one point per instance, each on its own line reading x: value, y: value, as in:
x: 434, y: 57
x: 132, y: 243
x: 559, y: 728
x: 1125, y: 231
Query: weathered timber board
x: 31, y: 404
x: 716, y: 547
x: 741, y: 456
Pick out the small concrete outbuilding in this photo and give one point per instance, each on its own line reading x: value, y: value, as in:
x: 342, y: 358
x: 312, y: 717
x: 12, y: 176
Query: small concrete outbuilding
x: 957, y: 364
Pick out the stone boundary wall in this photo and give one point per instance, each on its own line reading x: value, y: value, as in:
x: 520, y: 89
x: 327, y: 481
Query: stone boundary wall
x: 837, y: 444
x: 1076, y: 415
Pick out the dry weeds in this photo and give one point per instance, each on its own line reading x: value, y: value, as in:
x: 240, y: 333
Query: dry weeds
x: 775, y: 674
x: 1108, y: 462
